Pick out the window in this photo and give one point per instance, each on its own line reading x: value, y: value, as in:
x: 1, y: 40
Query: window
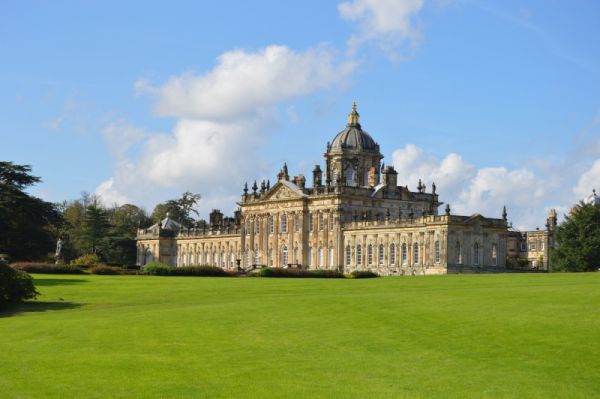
x: 296, y: 255
x: 321, y: 224
x: 271, y: 226
x: 416, y: 253
x: 350, y: 176
x: 231, y: 259
x: 256, y: 226
x: 437, y: 251
x: 532, y: 246
x: 458, y: 253
x: 381, y: 254
x: 247, y: 257
x: 215, y: 259
x: 330, y: 255
x: 284, y: 255
x: 284, y: 223
x: 207, y: 258
x: 310, y: 222
x: 404, y: 254
x: 370, y: 255
x: 256, y: 256
x: 358, y: 255
x: 297, y: 222
x: 320, y: 264
x: 392, y: 254
x: 542, y: 245
x: 523, y: 246
x: 330, y: 221
x: 309, y: 260
x: 223, y: 260
x: 348, y: 255
x: 494, y: 255
x: 270, y: 257
x: 476, y: 254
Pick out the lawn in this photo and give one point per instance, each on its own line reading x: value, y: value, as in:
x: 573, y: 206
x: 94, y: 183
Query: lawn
x: 478, y: 336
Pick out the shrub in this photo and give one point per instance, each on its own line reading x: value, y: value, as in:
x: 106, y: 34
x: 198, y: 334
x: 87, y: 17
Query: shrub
x: 106, y: 270
x: 46, y: 268
x: 15, y: 285
x: 363, y: 274
x: 157, y: 269
x: 296, y: 273
x: 86, y: 260
x: 199, y: 271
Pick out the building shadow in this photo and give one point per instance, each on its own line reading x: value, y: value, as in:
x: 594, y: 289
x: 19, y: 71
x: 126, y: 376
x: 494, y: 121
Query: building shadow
x: 37, y: 306
x: 49, y: 282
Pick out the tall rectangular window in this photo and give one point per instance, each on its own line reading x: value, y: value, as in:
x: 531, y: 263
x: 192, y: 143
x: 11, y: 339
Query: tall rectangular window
x: 437, y: 251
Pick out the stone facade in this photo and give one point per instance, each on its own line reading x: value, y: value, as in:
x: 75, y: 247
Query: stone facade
x: 353, y: 216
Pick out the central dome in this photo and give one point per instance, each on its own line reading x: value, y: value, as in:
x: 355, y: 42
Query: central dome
x: 353, y: 137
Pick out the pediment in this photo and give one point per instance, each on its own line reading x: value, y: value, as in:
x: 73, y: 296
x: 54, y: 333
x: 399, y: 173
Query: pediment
x: 284, y: 190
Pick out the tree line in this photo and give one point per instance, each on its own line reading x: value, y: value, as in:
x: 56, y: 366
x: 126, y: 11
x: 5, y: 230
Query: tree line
x: 30, y: 227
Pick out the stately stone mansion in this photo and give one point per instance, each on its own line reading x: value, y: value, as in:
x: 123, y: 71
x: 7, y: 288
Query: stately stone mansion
x: 352, y: 216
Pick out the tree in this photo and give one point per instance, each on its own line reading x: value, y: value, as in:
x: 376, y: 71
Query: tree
x: 124, y: 220
x: 578, y: 240
x: 180, y: 209
x: 26, y: 222
x: 95, y: 225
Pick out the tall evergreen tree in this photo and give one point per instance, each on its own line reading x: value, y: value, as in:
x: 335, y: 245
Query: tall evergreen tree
x: 26, y: 222
x: 95, y: 226
x: 578, y: 240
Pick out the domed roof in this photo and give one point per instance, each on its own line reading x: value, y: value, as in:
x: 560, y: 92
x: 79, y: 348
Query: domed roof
x: 353, y: 137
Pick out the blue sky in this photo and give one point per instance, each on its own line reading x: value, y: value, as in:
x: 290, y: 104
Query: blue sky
x: 497, y: 102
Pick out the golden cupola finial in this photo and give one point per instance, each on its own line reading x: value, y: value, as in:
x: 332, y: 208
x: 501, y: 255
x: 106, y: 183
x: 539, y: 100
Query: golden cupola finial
x: 353, y: 117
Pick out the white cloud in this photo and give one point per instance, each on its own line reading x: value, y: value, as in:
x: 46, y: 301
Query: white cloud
x: 243, y: 82
x: 589, y: 180
x: 470, y: 190
x: 390, y: 23
x: 221, y: 121
x: 54, y: 123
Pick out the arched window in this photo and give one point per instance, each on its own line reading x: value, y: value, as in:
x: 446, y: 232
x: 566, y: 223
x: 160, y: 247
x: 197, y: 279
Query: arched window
x: 215, y: 259
x: 330, y: 255
x: 271, y: 225
x: 348, y: 255
x: 223, y: 260
x: 284, y: 255
x: 458, y: 253
x: 381, y: 253
x: 358, y: 255
x: 392, y: 254
x: 231, y: 259
x: 416, y: 253
x: 350, y: 176
x: 437, y: 251
x: 207, y: 258
x: 403, y: 254
x: 320, y: 264
x: 321, y: 223
x: 476, y: 254
x: 494, y: 255
x: 256, y: 256
x: 369, y: 254
x: 284, y: 223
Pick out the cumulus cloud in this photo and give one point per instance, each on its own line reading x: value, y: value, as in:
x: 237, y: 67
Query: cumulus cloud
x: 389, y: 23
x: 589, y: 180
x: 471, y: 190
x: 243, y: 82
x: 221, y: 121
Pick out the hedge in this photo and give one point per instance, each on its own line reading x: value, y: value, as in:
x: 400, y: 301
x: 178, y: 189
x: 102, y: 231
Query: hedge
x: 160, y: 269
x: 105, y: 270
x: 296, y: 273
x: 363, y: 274
x: 46, y: 268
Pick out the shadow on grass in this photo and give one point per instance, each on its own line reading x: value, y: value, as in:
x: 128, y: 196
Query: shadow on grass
x: 48, y: 282
x: 37, y: 306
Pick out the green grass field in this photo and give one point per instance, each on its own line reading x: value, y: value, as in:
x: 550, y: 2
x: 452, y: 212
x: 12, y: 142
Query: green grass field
x: 494, y: 336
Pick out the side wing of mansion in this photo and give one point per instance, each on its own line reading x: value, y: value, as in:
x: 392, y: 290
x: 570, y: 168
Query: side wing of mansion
x: 353, y: 216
